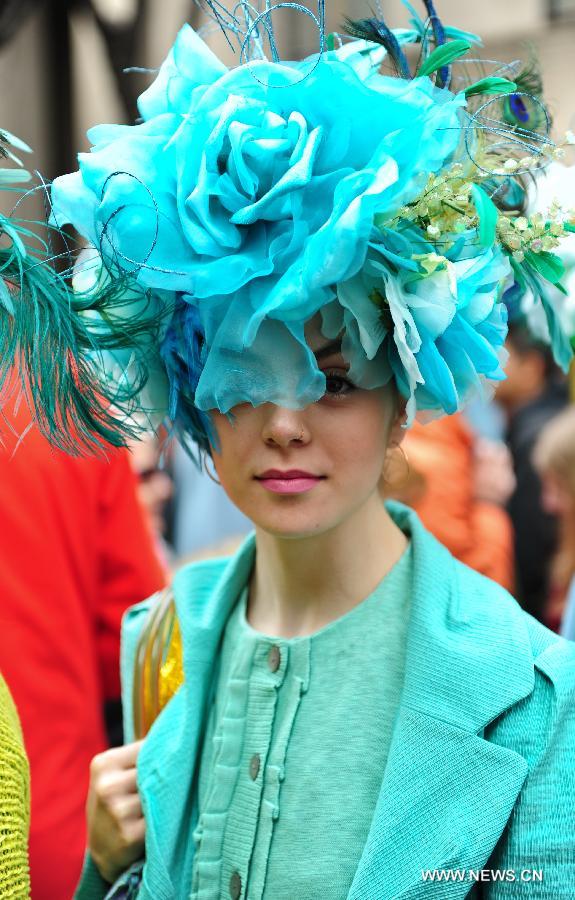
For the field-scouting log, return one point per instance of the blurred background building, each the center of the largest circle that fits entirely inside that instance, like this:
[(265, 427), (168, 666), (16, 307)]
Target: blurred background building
[(62, 61)]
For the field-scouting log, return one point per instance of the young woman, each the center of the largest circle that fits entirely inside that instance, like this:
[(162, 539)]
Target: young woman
[(358, 708), (302, 256)]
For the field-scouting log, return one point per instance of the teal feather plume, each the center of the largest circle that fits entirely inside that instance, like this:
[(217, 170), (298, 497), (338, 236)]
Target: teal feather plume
[(51, 338), (44, 337), (52, 335)]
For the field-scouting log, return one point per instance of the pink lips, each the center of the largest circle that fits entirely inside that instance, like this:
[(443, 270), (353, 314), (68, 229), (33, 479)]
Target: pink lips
[(293, 481)]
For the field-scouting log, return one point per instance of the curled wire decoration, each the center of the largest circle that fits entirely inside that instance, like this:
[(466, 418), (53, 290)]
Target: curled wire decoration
[(459, 81), (530, 142), (107, 247), (251, 25), (266, 19), (104, 234)]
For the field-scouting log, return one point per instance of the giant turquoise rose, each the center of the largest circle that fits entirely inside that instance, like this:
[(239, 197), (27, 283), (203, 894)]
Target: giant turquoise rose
[(256, 183)]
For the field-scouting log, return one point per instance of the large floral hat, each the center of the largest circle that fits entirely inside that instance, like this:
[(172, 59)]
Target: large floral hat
[(374, 184)]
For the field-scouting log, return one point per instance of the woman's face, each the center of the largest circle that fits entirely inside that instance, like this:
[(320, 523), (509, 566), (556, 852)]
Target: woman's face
[(298, 473)]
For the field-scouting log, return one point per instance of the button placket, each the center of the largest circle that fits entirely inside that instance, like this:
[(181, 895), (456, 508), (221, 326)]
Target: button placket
[(264, 686)]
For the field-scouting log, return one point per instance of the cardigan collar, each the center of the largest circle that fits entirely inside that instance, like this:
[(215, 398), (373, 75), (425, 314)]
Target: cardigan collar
[(446, 792)]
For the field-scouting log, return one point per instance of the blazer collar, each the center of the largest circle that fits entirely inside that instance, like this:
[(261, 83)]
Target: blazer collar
[(468, 654), (446, 793)]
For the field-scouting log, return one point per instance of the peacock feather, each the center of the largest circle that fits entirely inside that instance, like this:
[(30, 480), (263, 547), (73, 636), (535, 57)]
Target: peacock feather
[(524, 108), (376, 31)]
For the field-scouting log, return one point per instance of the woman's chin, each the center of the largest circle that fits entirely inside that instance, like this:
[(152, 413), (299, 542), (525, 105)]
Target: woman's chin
[(293, 522)]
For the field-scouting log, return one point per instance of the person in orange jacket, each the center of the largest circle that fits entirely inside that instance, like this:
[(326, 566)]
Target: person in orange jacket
[(458, 484), (76, 552)]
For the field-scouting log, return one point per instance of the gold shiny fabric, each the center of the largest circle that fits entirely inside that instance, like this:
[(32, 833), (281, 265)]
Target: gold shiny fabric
[(158, 669)]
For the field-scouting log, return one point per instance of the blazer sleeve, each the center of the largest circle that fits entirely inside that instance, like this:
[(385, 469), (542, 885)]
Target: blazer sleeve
[(92, 886), (538, 843)]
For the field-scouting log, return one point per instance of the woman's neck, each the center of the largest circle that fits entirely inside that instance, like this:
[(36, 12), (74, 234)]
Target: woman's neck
[(301, 584)]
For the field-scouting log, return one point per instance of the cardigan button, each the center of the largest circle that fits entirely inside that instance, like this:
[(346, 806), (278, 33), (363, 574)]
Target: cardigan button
[(274, 658), (235, 885), (254, 766)]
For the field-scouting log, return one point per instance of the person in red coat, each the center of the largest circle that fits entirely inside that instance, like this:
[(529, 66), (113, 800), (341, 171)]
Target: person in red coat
[(76, 552)]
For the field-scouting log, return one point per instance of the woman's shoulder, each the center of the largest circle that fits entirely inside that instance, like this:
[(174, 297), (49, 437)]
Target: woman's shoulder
[(550, 706), (199, 574), (541, 726), (485, 598), (153, 632), (494, 615)]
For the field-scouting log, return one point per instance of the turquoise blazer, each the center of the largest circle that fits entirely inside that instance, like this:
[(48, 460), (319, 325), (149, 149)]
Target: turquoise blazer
[(481, 769)]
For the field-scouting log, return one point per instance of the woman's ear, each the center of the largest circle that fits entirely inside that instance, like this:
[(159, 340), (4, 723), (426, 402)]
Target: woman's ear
[(397, 431)]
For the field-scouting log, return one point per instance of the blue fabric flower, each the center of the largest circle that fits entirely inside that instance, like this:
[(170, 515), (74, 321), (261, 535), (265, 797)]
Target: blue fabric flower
[(441, 334), (251, 193), (270, 190)]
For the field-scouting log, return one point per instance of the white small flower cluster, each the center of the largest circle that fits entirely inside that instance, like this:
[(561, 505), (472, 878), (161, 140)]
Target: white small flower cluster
[(446, 209)]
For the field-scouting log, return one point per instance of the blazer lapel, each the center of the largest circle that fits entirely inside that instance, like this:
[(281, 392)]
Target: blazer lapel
[(447, 793), (168, 760)]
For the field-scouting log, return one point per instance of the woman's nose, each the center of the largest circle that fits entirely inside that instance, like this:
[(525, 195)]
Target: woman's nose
[(283, 427)]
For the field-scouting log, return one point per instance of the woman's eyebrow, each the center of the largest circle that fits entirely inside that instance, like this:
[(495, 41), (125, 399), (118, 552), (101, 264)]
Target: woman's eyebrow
[(329, 350)]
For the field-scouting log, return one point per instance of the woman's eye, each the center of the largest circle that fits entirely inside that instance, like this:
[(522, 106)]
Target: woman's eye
[(337, 385)]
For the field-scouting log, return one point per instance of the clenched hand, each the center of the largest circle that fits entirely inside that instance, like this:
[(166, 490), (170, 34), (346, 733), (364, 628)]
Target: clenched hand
[(116, 825)]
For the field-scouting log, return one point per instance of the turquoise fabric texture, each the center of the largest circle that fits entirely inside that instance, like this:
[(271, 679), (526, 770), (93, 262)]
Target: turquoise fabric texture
[(481, 767), (315, 732)]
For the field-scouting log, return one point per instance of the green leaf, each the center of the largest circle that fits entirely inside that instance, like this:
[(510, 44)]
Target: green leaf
[(549, 265), (443, 56), (491, 86), (13, 176), (517, 271), (14, 141), (330, 41), (487, 214)]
